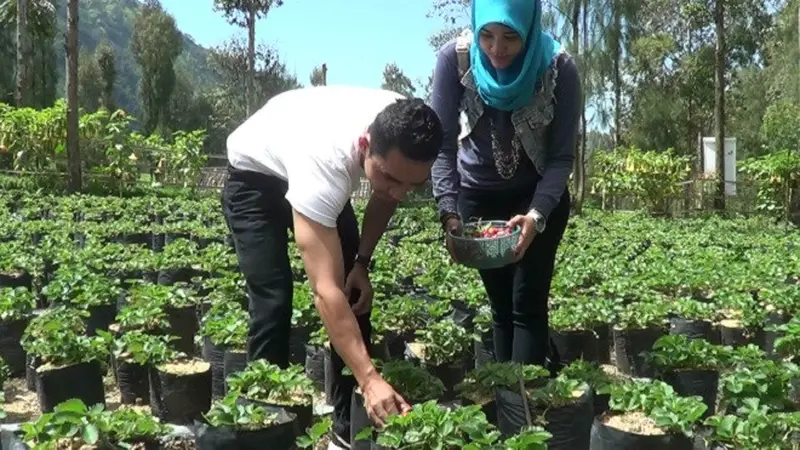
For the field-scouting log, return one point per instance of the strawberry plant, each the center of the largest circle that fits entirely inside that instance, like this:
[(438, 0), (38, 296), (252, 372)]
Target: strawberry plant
[(481, 383), (444, 342), (412, 382), (268, 383), (658, 401), (16, 303), (228, 412), (675, 352)]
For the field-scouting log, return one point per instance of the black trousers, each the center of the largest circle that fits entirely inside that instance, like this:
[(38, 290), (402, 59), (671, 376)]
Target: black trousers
[(519, 292), (259, 217)]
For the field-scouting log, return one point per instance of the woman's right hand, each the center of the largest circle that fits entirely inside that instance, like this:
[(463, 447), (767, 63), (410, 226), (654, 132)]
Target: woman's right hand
[(452, 227)]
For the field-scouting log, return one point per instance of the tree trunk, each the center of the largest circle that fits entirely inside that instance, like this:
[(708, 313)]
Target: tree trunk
[(251, 58), (719, 110), (617, 74), (22, 92), (73, 150), (580, 146)]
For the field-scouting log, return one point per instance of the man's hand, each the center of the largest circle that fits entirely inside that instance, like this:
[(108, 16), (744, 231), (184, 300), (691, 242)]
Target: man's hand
[(358, 278), (381, 400), (528, 225), (452, 226)]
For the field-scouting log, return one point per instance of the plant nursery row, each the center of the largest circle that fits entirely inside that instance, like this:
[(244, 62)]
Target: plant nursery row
[(123, 325)]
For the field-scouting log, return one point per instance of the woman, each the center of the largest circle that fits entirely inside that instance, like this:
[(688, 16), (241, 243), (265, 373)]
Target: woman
[(511, 96)]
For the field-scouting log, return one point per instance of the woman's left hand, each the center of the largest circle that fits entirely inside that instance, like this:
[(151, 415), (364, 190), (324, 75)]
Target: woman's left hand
[(528, 225)]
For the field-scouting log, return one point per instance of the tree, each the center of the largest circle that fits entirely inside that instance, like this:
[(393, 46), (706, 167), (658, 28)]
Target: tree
[(107, 63), (318, 76), (720, 65), (156, 43), (244, 13), (90, 82), (73, 150), (395, 80)]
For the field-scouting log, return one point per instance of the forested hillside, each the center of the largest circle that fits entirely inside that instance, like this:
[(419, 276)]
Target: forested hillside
[(113, 20)]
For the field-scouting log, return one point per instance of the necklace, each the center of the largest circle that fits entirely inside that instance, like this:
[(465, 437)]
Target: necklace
[(506, 162)]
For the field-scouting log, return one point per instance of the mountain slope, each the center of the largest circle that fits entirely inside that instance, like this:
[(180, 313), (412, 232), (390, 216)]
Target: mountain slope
[(113, 20)]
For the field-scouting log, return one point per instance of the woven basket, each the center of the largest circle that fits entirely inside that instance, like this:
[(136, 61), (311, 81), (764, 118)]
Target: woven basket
[(485, 253)]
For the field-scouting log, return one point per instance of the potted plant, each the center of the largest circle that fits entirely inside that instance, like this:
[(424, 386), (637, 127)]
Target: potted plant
[(565, 404), (690, 366), (133, 428), (599, 380), (431, 426), (754, 427), (71, 424), (16, 310), (480, 386), (647, 415), (180, 386), (484, 344), (637, 328), (742, 321), (442, 349), (223, 326), (305, 320), (769, 382), (232, 423), (412, 382), (131, 357), (288, 388), (695, 320), (179, 303), (400, 317), (572, 333), (69, 362)]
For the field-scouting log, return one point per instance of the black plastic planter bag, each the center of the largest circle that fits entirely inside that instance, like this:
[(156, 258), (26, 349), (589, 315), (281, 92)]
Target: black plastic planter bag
[(298, 338), (574, 345), (694, 329), (279, 436), (133, 382), (395, 344), (770, 337), (83, 381), (602, 336), (215, 355), (604, 437), (183, 324), (31, 363), (15, 280), (688, 383), (489, 409), (629, 346), (235, 361), (600, 403), (315, 365), (10, 348), (168, 277), (303, 415), (484, 350), (179, 399), (100, 317), (358, 421), (739, 337), (462, 314), (450, 374), (569, 425), (327, 367)]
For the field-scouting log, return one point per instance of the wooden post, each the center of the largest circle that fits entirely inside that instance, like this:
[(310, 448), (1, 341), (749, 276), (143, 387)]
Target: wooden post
[(324, 74)]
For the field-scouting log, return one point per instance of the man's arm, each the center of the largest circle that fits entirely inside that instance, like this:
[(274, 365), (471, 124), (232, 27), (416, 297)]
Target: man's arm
[(321, 250), (376, 218)]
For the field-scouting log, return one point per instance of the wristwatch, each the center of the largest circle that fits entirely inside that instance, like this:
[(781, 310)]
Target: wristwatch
[(538, 220), (363, 260)]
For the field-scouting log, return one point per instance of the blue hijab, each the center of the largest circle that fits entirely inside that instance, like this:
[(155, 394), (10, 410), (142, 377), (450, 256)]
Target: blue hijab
[(513, 87)]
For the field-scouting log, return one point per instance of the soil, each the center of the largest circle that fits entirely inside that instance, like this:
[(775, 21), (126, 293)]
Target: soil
[(417, 349), (635, 423), (22, 405), (729, 323), (190, 367)]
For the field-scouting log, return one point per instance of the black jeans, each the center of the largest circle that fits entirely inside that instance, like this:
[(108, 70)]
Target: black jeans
[(519, 292), (259, 217)]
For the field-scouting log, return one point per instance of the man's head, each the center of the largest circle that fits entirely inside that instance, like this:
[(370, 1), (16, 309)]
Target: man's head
[(404, 141)]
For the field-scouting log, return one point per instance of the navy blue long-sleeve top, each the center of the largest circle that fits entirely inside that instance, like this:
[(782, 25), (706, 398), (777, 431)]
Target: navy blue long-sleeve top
[(473, 166)]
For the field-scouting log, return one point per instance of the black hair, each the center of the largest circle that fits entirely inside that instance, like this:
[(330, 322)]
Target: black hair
[(411, 127)]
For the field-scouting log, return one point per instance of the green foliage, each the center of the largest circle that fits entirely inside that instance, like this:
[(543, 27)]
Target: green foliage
[(650, 176), (267, 383), (156, 44), (659, 401), (395, 80)]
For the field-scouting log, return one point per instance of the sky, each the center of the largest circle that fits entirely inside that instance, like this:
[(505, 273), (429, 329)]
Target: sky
[(355, 38)]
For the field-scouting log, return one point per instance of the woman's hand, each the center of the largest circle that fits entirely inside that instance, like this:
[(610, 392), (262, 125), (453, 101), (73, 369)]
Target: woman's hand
[(528, 225), (452, 226)]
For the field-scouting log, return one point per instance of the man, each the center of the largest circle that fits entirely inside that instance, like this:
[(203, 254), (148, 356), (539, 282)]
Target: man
[(295, 164)]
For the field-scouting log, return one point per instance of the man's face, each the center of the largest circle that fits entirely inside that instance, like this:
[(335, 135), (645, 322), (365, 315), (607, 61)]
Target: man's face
[(394, 175)]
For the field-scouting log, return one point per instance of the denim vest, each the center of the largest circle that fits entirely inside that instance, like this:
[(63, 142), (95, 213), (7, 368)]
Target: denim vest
[(530, 122)]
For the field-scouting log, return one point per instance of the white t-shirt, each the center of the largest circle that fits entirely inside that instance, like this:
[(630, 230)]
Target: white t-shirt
[(307, 137)]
